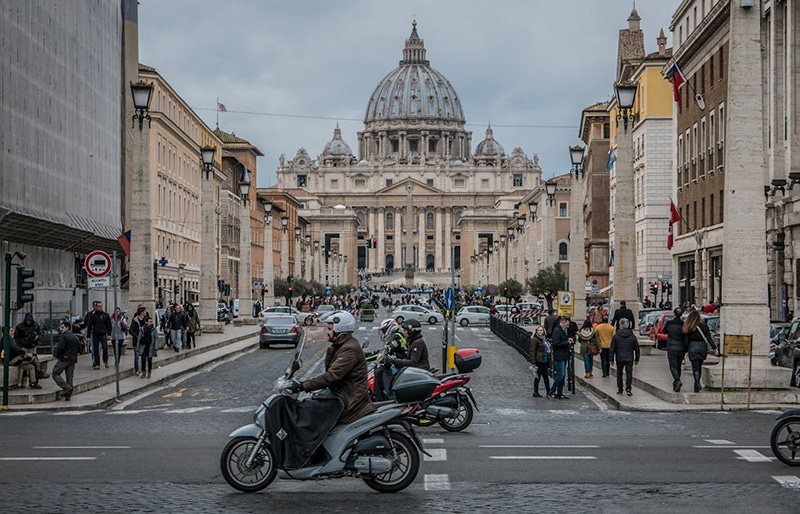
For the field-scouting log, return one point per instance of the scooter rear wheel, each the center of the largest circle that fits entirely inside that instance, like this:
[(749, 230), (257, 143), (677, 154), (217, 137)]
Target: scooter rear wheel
[(461, 420), (234, 465), (785, 441), (405, 469)]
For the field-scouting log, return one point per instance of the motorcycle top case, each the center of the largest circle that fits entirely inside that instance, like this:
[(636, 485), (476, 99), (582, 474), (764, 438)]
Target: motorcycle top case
[(468, 359), (413, 385)]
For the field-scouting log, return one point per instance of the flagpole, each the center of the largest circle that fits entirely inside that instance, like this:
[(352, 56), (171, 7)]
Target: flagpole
[(217, 112)]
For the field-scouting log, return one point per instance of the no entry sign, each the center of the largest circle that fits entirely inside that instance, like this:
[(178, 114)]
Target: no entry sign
[(97, 264)]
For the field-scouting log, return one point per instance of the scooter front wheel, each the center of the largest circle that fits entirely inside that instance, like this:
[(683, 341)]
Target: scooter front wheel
[(234, 465), (404, 470), (461, 420), (786, 441)]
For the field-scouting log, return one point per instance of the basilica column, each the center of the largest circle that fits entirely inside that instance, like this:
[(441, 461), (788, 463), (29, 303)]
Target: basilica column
[(398, 239), (371, 252), (438, 240), (448, 234), (421, 240), (381, 251), (284, 252)]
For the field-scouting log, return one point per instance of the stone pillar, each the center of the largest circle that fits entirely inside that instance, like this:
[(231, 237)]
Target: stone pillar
[(381, 251), (284, 252), (298, 257), (142, 290), (438, 240), (269, 270), (398, 237), (549, 240), (448, 242), (208, 264), (577, 261), (624, 273), (371, 229), (421, 240), (245, 273)]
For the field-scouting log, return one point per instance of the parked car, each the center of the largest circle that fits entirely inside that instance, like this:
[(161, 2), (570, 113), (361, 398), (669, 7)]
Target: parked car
[(324, 309), (473, 315), (647, 310), (646, 322), (503, 312), (404, 312), (787, 352), (280, 330), (657, 331), (301, 317)]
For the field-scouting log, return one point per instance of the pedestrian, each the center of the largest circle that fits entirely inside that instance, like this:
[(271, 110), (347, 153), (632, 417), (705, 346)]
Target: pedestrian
[(66, 354), (605, 332), (147, 346), (98, 327), (550, 322), (119, 331), (538, 356), (676, 347), (26, 361), (590, 346), (698, 339), (27, 335), (192, 326), (176, 326), (623, 312), (137, 324), (625, 352), (561, 346)]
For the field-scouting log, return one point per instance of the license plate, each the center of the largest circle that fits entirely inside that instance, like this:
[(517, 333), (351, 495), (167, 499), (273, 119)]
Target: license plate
[(279, 331), (483, 320)]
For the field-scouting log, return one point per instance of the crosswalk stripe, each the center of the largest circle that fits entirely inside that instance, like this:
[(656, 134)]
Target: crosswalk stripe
[(188, 410), (719, 441), (751, 456), (437, 483), (238, 409), (362, 328), (433, 441), (788, 481), (436, 455), (542, 457)]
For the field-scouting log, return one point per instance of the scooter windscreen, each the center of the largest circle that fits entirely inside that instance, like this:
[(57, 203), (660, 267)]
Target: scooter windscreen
[(297, 358)]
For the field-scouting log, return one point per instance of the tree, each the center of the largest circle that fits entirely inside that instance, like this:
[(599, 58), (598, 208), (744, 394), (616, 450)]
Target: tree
[(470, 290), (342, 290), (514, 288), (280, 288), (548, 282)]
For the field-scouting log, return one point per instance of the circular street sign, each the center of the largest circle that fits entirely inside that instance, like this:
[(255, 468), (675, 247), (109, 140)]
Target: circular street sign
[(97, 264)]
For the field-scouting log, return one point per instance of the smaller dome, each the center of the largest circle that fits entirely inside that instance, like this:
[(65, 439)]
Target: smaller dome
[(458, 162), (489, 147), (337, 146), (363, 162)]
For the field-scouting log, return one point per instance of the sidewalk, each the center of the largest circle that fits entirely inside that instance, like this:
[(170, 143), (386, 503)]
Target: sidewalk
[(95, 389)]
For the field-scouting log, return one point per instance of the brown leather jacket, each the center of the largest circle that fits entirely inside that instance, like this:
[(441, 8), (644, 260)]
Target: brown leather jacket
[(346, 376)]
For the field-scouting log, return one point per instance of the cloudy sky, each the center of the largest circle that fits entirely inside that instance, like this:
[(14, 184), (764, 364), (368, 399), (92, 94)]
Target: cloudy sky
[(512, 62)]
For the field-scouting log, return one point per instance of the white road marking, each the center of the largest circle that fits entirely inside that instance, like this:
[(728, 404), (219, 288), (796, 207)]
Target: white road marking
[(510, 412), (74, 412), (437, 454), (788, 481), (362, 328), (133, 411), (81, 447), (46, 458), (564, 412), (561, 446), (187, 410), (596, 400), (239, 409), (751, 456), (433, 441), (20, 413), (313, 369), (437, 483), (542, 457), (719, 441), (706, 447)]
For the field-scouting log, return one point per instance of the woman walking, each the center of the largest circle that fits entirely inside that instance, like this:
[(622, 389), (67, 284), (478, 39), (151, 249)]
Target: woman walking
[(698, 339), (193, 323), (147, 347), (590, 346), (538, 356), (119, 331)]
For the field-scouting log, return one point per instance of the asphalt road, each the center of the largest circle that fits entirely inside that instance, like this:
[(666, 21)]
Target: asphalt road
[(160, 453)]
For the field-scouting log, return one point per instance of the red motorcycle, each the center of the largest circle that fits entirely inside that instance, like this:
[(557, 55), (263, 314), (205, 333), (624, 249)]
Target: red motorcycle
[(451, 404)]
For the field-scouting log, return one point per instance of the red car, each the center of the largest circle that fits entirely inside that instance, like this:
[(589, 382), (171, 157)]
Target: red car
[(657, 332)]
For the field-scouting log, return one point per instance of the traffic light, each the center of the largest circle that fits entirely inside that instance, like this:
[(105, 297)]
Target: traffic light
[(374, 243), (23, 284), (505, 291), (369, 243), (290, 291), (176, 289), (654, 288)]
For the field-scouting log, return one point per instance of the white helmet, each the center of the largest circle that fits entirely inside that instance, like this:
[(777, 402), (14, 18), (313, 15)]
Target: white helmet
[(388, 328), (343, 323)]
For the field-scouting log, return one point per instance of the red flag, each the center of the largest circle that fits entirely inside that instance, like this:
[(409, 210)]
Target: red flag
[(674, 217), (125, 243), (678, 78), (221, 107)]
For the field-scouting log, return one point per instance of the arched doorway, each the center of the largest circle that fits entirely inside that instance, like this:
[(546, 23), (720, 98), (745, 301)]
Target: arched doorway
[(390, 262), (429, 262)]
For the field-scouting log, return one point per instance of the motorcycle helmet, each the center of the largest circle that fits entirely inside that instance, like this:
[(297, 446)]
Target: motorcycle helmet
[(413, 326), (387, 329), (343, 323)]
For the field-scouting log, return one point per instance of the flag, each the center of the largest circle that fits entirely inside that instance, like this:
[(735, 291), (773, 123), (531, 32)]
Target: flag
[(674, 217), (678, 78), (612, 158), (125, 243), (221, 107)]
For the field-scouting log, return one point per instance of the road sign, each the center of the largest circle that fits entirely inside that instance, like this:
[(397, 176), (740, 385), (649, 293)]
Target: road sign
[(95, 282), (738, 345), (97, 264), (328, 291), (566, 303), (449, 298)]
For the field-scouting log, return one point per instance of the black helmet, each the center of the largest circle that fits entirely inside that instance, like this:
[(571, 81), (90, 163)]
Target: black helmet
[(413, 326)]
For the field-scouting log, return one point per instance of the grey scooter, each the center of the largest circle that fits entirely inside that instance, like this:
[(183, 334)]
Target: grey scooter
[(381, 448)]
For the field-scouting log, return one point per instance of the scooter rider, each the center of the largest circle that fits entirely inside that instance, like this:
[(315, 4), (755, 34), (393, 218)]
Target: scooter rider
[(345, 370), (416, 350), (394, 344)]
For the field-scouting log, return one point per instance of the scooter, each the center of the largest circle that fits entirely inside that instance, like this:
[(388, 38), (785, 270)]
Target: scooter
[(300, 439), (785, 440)]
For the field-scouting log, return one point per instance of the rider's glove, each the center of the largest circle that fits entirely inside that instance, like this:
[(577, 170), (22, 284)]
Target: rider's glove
[(390, 359), (295, 386)]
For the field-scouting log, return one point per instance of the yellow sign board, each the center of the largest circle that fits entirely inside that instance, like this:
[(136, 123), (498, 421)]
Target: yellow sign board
[(738, 345), (451, 356), (566, 303)]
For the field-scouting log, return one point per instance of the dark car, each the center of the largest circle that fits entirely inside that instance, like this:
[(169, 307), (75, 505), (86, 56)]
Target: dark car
[(280, 330), (787, 352)]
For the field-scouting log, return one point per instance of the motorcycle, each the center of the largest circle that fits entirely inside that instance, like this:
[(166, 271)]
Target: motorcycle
[(785, 440), (451, 404), (300, 439)]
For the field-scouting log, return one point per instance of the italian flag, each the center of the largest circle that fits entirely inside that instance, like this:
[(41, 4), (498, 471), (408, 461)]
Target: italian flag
[(674, 217)]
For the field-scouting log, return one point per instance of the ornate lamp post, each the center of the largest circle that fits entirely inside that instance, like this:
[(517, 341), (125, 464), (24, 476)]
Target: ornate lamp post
[(208, 266), (245, 262), (550, 228)]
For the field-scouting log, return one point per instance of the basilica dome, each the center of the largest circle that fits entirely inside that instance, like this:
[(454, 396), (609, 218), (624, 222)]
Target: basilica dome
[(337, 146), (414, 90), (489, 147)]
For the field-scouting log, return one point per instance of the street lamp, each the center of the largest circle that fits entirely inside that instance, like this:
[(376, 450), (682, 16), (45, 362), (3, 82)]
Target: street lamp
[(244, 189), (141, 92), (626, 95), (521, 222), (576, 154), (503, 239), (496, 245), (267, 212), (550, 188), (207, 155), (297, 232), (532, 207), (284, 222)]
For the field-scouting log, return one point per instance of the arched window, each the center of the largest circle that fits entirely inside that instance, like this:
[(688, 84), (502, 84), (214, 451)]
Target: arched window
[(563, 252), (429, 221), (429, 262), (360, 217), (389, 221)]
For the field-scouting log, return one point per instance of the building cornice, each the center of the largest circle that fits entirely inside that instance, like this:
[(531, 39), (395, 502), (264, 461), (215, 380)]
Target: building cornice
[(713, 21)]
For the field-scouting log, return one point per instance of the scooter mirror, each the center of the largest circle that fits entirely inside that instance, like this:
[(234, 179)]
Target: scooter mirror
[(365, 345)]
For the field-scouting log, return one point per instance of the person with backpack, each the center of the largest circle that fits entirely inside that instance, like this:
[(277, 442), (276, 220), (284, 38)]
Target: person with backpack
[(539, 356), (590, 346)]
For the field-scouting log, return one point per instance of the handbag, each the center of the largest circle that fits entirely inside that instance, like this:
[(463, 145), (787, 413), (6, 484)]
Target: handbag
[(594, 348)]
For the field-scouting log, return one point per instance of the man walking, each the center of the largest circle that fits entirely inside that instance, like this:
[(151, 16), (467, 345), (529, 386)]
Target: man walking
[(66, 352), (625, 349), (177, 326), (623, 312), (676, 348), (98, 327), (605, 332), (561, 350)]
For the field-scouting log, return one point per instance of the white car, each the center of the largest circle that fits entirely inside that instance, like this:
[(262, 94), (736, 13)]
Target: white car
[(473, 315), (404, 312), (271, 312), (325, 309)]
